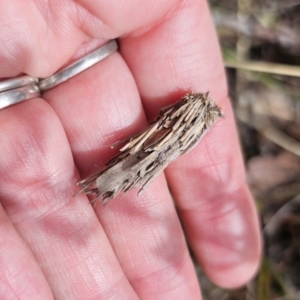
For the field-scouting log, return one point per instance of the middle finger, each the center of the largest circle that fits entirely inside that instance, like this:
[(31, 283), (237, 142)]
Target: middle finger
[(97, 108)]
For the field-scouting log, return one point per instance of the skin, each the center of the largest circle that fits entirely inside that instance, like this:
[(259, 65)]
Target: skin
[(56, 246)]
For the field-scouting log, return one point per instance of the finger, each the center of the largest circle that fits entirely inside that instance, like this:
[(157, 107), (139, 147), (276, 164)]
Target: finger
[(98, 108), (21, 276), (41, 36), (179, 56), (37, 183)]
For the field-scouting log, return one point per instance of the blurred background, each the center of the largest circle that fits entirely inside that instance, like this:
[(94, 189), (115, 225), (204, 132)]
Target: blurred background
[(260, 41)]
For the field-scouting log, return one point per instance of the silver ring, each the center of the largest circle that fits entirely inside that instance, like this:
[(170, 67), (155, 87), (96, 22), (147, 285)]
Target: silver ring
[(78, 66), (17, 82), (13, 96)]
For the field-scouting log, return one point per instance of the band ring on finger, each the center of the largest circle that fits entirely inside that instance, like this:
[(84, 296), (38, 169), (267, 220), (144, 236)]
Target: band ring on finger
[(17, 90), (78, 66), (21, 88)]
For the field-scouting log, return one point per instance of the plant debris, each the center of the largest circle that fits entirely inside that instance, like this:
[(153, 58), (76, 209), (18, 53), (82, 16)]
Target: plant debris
[(174, 132)]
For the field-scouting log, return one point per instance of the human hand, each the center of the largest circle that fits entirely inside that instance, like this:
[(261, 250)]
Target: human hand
[(57, 246)]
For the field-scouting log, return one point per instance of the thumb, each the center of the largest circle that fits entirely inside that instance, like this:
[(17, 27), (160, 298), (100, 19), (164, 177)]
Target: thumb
[(41, 36)]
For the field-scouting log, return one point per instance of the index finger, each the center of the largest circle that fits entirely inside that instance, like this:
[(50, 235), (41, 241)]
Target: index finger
[(178, 56)]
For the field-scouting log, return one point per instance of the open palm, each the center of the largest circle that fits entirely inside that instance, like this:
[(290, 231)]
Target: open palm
[(57, 246)]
